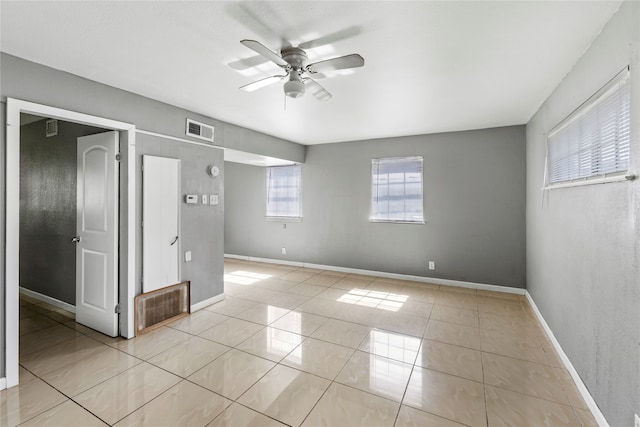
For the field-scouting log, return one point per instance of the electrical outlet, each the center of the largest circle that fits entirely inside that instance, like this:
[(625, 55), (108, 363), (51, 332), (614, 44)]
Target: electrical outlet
[(432, 265), (205, 199), (284, 251), (637, 418)]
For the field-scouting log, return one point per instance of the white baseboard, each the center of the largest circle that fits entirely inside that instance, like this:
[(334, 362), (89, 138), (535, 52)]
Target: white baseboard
[(265, 260), (206, 303), (419, 279), (3, 383), (48, 299), (597, 414)]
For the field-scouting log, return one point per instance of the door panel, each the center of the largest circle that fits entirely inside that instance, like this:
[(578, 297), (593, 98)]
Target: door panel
[(95, 212), (95, 275), (160, 211), (97, 218)]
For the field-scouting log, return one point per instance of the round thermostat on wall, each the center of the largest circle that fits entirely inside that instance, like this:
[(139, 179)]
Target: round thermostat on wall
[(213, 171)]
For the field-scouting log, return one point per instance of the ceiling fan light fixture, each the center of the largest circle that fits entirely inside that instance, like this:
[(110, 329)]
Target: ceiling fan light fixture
[(294, 88), (293, 61)]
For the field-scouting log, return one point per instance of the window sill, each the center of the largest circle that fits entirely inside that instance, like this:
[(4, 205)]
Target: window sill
[(591, 181), (387, 221), (283, 218)]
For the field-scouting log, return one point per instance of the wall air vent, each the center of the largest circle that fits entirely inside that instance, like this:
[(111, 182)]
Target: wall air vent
[(161, 306), (51, 127), (199, 130)]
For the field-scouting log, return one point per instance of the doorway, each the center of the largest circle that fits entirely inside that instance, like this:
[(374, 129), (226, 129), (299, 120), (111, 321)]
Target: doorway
[(69, 219), (13, 215)]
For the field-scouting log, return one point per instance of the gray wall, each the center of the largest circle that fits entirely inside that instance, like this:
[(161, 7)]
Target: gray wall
[(48, 173), (200, 226), (474, 206), (583, 242), (33, 82)]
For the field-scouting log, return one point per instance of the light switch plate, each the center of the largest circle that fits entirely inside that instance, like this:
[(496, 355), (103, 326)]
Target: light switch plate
[(187, 256), (205, 199), (213, 199)]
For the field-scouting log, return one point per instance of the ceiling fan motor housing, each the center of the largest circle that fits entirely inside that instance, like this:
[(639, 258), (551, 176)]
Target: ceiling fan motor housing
[(295, 57)]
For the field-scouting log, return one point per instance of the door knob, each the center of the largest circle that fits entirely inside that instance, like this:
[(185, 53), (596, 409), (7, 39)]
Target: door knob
[(75, 239)]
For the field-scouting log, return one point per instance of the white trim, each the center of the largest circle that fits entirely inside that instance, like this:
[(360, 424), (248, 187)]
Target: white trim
[(265, 260), (48, 299), (420, 279), (173, 138), (595, 411), (623, 176), (206, 303), (12, 237), (283, 218), (66, 115), (12, 242), (395, 221), (127, 329), (3, 383)]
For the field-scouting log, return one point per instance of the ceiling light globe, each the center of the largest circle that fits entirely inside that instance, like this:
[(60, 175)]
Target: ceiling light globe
[(294, 89)]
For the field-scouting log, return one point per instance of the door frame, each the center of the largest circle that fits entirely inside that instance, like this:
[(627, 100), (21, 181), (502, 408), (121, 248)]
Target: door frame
[(12, 233)]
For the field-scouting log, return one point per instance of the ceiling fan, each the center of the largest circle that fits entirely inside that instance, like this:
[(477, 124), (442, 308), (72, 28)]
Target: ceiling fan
[(293, 61)]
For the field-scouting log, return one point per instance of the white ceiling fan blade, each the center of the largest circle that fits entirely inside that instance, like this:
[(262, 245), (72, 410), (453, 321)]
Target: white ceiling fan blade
[(265, 51), (340, 63), (259, 84), (320, 93), (331, 38)]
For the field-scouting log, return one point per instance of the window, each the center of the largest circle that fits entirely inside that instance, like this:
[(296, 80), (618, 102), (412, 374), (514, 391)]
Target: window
[(283, 192), (396, 189), (594, 140)]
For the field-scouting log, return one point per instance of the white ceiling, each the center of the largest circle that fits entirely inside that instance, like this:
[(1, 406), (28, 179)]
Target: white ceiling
[(429, 66)]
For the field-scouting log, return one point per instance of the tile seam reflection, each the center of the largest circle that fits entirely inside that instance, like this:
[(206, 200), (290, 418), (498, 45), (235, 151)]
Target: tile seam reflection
[(529, 395), (432, 413), (237, 400)]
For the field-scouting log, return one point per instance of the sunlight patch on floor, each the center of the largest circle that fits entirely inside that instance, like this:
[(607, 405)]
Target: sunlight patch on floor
[(376, 299), (245, 277)]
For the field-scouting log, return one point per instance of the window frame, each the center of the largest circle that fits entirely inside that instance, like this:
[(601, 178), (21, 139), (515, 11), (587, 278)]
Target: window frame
[(621, 81), (288, 218), (372, 198)]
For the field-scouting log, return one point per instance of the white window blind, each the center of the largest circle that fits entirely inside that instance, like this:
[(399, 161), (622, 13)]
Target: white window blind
[(594, 141), (283, 192), (396, 189)]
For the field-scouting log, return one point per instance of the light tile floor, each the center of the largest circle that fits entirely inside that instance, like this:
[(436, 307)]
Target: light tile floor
[(296, 346)]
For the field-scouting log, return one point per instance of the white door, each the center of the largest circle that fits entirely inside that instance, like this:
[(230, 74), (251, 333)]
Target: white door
[(97, 233), (160, 222)]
